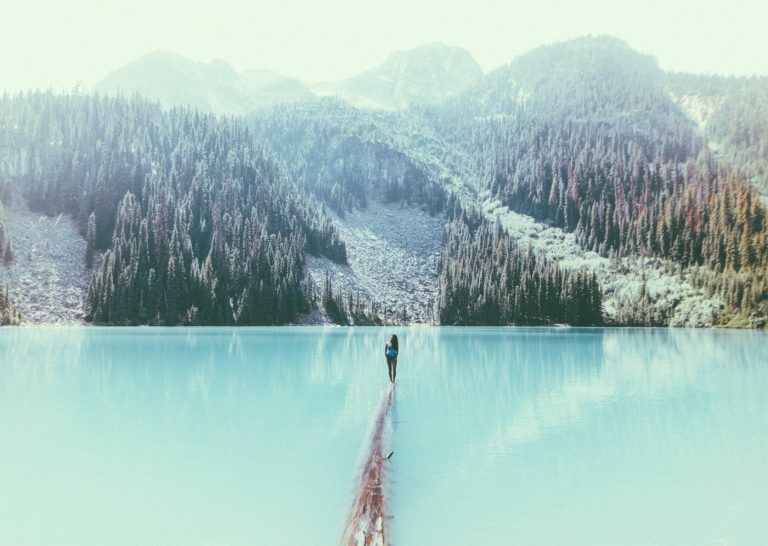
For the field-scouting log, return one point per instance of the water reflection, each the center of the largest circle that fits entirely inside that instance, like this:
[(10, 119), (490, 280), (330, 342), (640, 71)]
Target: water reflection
[(595, 436), (255, 436), (203, 436)]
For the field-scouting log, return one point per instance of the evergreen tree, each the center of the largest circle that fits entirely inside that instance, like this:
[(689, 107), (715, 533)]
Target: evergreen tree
[(8, 252), (90, 239), (9, 315), (486, 279)]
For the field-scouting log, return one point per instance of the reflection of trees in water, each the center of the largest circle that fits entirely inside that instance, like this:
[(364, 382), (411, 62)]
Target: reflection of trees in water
[(509, 389), (514, 384), (40, 354), (506, 386), (227, 374), (477, 362), (198, 375), (683, 349), (201, 373)]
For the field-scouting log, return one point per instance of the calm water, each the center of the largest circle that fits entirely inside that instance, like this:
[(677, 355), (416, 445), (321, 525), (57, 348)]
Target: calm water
[(501, 436)]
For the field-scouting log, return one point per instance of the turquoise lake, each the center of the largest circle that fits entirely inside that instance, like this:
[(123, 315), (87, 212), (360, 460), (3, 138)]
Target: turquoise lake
[(215, 436)]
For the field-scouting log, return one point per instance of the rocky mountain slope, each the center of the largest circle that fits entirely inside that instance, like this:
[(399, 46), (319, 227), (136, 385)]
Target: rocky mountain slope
[(47, 275), (579, 175)]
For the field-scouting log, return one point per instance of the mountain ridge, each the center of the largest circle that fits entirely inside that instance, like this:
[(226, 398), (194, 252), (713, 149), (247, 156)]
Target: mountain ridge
[(423, 75), (213, 86), (579, 184), (419, 76)]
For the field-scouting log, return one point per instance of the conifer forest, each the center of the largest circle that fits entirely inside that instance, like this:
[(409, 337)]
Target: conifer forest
[(195, 217)]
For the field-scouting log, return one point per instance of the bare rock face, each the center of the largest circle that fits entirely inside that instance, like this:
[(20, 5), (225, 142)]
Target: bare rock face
[(393, 254)]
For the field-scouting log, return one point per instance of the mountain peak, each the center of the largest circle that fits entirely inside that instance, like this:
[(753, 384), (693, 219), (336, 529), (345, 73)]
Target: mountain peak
[(553, 75), (588, 50), (425, 74), (213, 86), (160, 55), (432, 51)]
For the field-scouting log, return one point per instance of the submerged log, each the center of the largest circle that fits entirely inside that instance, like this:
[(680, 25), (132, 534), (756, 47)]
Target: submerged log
[(366, 523)]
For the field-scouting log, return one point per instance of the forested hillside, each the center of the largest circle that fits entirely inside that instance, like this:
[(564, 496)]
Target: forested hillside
[(578, 184), (347, 157), (732, 114), (487, 279), (196, 222), (597, 147)]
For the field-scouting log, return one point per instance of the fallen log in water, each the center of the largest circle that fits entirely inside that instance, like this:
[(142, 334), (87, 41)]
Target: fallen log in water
[(367, 521)]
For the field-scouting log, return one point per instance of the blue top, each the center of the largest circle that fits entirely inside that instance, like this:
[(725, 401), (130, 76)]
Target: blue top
[(390, 351)]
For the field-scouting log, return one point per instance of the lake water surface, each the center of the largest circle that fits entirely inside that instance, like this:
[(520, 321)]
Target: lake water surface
[(500, 436)]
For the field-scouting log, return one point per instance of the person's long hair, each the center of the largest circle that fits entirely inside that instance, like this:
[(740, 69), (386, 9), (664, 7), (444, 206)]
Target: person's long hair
[(393, 342)]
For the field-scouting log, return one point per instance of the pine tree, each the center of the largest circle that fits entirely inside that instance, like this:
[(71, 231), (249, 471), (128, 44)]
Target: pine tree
[(90, 239), (8, 252)]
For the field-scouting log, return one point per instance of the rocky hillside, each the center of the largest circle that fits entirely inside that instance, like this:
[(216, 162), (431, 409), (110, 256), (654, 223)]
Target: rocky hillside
[(579, 184), (47, 273)]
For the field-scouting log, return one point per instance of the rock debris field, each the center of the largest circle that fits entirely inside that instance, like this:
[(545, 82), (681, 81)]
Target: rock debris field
[(393, 253), (47, 278)]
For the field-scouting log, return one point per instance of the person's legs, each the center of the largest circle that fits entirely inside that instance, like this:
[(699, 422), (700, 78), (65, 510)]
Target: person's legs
[(394, 369), (389, 368)]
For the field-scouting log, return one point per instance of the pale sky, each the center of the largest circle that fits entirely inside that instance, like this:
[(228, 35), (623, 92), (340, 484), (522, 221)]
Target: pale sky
[(47, 43)]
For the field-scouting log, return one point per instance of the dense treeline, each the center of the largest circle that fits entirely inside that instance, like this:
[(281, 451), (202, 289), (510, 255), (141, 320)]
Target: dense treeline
[(485, 278), (198, 224), (618, 202), (347, 157), (345, 310)]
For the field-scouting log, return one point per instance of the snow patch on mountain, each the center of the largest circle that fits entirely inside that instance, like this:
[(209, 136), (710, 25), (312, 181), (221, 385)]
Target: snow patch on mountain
[(393, 253), (47, 278)]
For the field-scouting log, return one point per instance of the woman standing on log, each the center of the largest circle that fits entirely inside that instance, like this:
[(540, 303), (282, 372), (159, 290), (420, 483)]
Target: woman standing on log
[(391, 351)]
